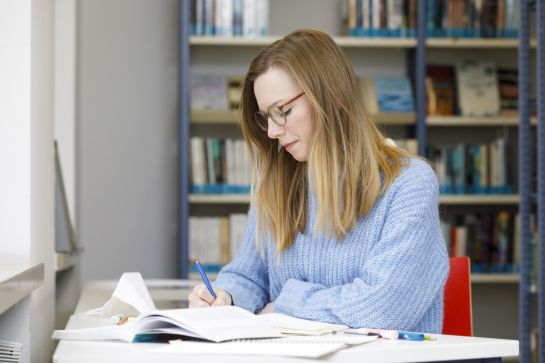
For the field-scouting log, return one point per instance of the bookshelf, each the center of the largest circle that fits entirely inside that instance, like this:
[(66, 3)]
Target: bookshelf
[(443, 199), (231, 117), (416, 53), (461, 43), (345, 42), (460, 121)]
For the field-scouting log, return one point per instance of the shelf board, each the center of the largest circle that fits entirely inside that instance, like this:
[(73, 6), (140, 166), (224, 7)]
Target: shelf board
[(465, 121), (495, 278), (17, 281), (215, 117), (394, 118), (474, 43), (219, 198), (232, 117), (363, 42), (485, 199), (345, 42)]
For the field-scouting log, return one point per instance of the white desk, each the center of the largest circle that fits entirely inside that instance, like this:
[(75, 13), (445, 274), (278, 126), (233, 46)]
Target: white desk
[(445, 348)]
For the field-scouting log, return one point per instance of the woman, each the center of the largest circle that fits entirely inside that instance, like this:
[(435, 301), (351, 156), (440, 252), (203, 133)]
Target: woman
[(343, 226)]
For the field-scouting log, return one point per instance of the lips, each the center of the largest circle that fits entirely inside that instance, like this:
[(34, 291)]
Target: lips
[(289, 145)]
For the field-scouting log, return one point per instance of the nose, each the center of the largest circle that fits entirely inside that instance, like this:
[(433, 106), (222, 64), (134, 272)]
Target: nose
[(274, 130)]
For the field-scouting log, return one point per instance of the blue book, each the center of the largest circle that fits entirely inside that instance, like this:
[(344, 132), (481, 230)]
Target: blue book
[(394, 94)]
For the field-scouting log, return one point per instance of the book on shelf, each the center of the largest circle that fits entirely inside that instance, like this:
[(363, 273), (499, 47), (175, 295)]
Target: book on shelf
[(214, 241), (509, 91), (473, 169), (230, 18), (208, 92), (477, 88), (488, 238), (380, 18), (234, 92), (472, 18), (387, 94), (440, 90), (219, 166)]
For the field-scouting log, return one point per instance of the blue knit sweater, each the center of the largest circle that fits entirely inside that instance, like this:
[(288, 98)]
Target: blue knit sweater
[(388, 272)]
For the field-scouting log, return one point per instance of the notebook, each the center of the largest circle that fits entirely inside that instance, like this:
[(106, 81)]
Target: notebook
[(302, 347)]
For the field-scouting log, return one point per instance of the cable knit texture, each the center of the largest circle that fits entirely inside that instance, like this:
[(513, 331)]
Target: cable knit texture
[(388, 272)]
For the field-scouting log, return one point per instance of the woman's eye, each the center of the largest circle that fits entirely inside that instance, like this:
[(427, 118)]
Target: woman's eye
[(287, 112)]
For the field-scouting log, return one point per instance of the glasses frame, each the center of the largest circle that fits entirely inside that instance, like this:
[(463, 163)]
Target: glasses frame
[(268, 116)]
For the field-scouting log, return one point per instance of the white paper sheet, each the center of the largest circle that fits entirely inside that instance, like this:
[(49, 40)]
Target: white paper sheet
[(291, 325), (301, 346)]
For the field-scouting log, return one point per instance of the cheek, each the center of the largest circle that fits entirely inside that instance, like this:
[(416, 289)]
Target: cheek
[(303, 125)]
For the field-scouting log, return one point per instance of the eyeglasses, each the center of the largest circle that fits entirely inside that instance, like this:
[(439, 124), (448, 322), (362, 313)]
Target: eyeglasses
[(275, 113)]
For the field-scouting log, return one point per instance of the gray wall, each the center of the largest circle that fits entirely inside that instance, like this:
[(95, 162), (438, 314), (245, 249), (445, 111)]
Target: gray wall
[(127, 137)]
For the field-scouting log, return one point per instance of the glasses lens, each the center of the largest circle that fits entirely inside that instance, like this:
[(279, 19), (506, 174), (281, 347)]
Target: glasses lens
[(277, 115), (262, 120)]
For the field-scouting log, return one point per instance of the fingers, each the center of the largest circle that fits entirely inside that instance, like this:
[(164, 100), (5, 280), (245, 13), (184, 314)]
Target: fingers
[(200, 297), (223, 298), (267, 309)]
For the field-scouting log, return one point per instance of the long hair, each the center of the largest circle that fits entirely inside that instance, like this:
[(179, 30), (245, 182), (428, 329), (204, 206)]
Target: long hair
[(348, 154)]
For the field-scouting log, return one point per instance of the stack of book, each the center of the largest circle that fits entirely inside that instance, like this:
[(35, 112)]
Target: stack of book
[(10, 351), (473, 169), (490, 239), (214, 241), (219, 166), (227, 18), (380, 18), (472, 18)]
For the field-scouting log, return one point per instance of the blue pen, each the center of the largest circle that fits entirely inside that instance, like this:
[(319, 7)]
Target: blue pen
[(205, 279), (405, 335)]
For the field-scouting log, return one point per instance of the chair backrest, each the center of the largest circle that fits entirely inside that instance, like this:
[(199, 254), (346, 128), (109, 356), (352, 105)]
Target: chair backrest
[(457, 317)]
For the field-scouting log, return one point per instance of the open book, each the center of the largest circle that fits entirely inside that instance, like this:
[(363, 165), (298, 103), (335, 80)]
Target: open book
[(214, 324), (218, 324)]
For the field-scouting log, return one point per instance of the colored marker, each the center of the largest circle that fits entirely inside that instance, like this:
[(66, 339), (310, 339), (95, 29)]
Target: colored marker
[(405, 335)]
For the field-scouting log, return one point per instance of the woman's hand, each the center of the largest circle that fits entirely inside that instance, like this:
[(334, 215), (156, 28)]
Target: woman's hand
[(267, 309), (200, 297)]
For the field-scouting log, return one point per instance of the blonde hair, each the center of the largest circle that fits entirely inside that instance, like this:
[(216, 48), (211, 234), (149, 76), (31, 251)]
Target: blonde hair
[(347, 155)]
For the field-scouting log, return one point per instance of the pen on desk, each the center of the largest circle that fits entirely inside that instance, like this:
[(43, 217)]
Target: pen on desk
[(390, 334), (205, 279), (386, 334)]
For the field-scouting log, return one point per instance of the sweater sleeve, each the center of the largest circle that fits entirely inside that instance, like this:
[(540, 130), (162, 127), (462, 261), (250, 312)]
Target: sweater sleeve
[(400, 279), (246, 277)]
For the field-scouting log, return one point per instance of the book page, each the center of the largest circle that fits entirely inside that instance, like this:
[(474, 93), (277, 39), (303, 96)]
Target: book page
[(291, 325), (296, 346), (217, 324)]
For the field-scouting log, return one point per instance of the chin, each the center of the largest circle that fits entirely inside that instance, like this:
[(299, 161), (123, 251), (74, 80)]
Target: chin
[(299, 158)]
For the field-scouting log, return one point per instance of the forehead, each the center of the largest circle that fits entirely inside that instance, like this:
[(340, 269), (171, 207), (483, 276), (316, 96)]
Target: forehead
[(274, 85)]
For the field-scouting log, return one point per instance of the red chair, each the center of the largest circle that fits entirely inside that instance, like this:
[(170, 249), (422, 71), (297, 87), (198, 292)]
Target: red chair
[(457, 317)]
